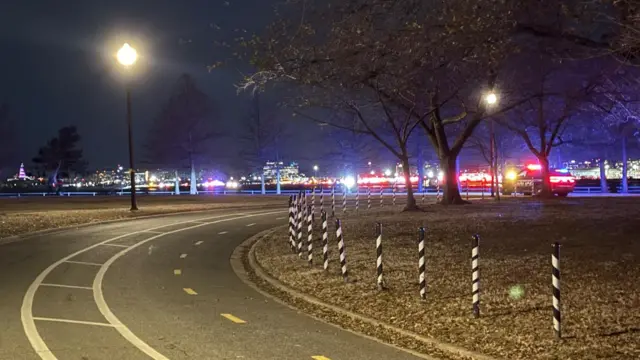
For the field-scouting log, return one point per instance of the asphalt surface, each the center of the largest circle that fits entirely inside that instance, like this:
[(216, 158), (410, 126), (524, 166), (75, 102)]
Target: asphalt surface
[(160, 288)]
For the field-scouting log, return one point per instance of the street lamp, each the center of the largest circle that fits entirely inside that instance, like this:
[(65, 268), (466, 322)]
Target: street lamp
[(491, 98), (127, 56), (315, 171)]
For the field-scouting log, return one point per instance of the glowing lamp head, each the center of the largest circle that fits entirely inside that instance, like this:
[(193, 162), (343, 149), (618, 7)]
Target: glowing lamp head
[(387, 172), (491, 98), (315, 167), (127, 55), (511, 175)]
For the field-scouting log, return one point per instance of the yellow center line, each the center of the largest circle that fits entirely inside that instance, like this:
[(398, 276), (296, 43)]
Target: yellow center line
[(190, 291), (177, 272), (320, 357), (233, 318)]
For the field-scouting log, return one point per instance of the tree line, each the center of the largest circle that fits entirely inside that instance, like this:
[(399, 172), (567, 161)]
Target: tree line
[(391, 69)]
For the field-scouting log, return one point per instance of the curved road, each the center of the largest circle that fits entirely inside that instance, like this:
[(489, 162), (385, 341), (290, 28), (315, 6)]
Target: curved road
[(160, 288)]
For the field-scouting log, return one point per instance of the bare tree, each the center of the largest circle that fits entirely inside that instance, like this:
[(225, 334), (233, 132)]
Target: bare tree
[(263, 134), (7, 136), (183, 129), (495, 144), (394, 66), (542, 122), (617, 117)]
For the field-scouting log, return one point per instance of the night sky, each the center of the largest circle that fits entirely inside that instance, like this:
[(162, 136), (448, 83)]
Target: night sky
[(57, 68)]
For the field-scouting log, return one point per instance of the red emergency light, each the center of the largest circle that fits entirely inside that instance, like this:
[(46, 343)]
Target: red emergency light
[(534, 167)]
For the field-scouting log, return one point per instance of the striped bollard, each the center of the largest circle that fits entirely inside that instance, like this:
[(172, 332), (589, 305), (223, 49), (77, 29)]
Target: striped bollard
[(379, 279), (394, 194), (344, 201), (321, 201), (423, 192), (555, 282), (357, 200), (422, 266), (438, 191), (325, 242), (475, 275), (310, 235), (333, 202), (381, 198), (343, 257), (368, 199), (294, 225), (313, 200), (290, 218), (299, 231)]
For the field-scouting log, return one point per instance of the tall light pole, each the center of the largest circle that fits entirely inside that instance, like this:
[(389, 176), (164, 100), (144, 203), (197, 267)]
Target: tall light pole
[(315, 171), (127, 56), (491, 98)]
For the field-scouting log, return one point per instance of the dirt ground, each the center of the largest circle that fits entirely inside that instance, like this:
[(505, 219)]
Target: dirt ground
[(28, 214), (600, 268)]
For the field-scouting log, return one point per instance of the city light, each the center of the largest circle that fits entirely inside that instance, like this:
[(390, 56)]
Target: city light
[(387, 172), (127, 55), (511, 175), (372, 172), (315, 168), (430, 174)]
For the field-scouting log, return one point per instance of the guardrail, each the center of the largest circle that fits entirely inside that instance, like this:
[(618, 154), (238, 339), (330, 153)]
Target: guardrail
[(428, 191)]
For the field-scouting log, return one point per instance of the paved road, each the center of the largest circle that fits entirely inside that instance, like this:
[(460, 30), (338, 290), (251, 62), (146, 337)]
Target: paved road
[(158, 288)]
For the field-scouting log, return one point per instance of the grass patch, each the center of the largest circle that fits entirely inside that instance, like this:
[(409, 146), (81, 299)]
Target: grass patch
[(28, 214), (599, 261)]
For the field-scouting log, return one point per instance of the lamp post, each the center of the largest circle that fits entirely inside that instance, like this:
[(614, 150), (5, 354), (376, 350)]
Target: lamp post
[(315, 171), (127, 56), (491, 98)]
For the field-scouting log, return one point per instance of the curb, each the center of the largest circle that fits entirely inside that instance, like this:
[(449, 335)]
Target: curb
[(31, 234), (247, 251)]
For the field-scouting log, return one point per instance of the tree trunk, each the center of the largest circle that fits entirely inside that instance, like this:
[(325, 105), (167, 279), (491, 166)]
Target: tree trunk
[(263, 189), (451, 192), (193, 188), (278, 179), (625, 182), (496, 172), (177, 184), (420, 171), (411, 200), (603, 178), (546, 191)]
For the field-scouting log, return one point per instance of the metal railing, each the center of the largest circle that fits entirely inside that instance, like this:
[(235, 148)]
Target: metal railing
[(361, 191)]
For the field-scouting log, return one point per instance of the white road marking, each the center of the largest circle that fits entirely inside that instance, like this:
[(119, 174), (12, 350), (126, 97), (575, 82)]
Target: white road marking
[(249, 225), (26, 310), (198, 243), (153, 232), (118, 245), (82, 263), (222, 232), (182, 256), (69, 321), (98, 296), (67, 286), (281, 218)]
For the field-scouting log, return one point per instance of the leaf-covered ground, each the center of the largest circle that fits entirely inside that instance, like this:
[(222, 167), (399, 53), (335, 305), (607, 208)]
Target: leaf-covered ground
[(600, 263), (28, 214)]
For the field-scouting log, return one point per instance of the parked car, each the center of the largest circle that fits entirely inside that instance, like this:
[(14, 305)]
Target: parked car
[(529, 181)]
